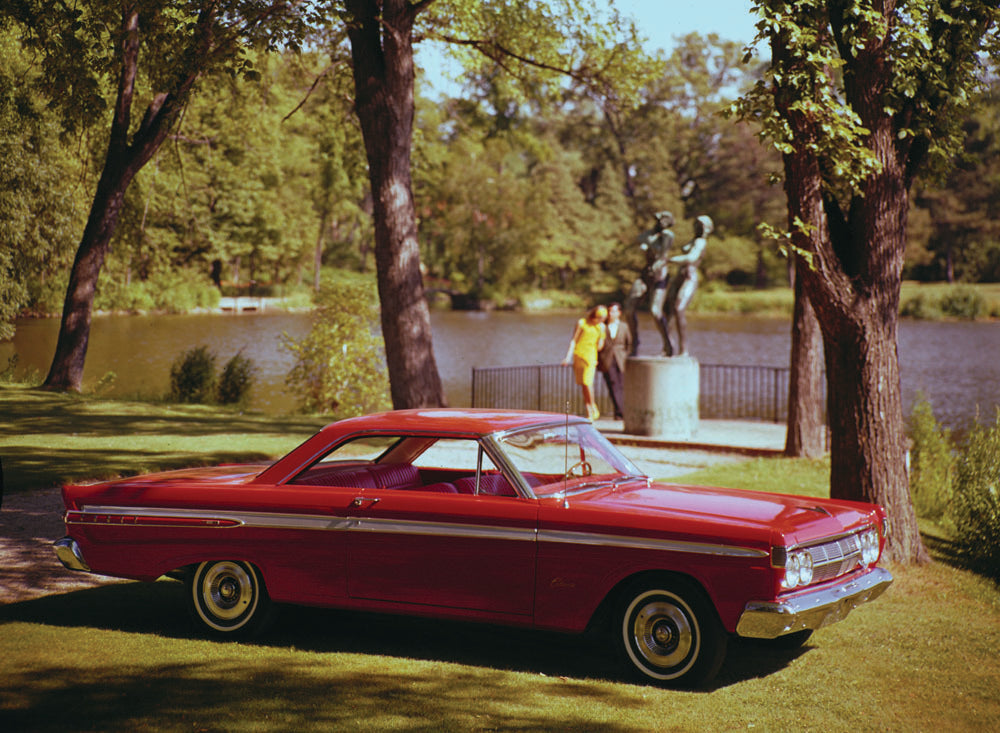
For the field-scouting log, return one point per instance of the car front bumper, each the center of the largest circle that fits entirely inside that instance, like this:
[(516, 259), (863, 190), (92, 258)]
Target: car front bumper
[(813, 609)]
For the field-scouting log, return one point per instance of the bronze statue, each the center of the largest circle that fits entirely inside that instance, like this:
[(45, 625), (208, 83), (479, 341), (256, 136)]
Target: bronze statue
[(685, 280), (655, 243)]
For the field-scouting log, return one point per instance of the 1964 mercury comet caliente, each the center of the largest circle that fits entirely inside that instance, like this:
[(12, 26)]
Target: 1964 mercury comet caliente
[(518, 518)]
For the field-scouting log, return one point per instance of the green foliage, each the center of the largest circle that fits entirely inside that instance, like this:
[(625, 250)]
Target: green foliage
[(38, 201), (525, 223), (931, 461), (7, 372), (956, 301), (960, 489), (976, 499), (193, 379), (192, 376), (963, 302), (922, 306), (178, 291), (956, 228), (236, 381), (340, 364)]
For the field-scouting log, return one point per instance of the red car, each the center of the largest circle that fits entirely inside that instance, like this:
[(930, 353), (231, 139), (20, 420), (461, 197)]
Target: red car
[(517, 518)]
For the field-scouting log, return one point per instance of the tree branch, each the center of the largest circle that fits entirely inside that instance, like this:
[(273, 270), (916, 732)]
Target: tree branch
[(496, 52)]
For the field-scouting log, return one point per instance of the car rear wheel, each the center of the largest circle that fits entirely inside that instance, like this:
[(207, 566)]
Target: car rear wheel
[(228, 597), (669, 632)]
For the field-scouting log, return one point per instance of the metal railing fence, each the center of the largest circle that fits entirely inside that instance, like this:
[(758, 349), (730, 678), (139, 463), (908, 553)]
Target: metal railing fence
[(727, 391)]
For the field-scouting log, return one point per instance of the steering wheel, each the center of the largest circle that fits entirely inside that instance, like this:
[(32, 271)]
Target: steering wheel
[(585, 470)]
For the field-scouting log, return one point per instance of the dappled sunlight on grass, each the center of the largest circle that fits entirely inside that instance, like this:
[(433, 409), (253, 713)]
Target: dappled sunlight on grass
[(923, 657), (47, 438), (124, 656)]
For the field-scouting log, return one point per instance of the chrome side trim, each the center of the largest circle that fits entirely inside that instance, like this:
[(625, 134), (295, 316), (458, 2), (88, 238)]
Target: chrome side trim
[(813, 609), (69, 554), (648, 543), (266, 520), (444, 529)]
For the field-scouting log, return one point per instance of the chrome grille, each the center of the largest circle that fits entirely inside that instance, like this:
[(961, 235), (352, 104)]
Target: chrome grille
[(836, 557)]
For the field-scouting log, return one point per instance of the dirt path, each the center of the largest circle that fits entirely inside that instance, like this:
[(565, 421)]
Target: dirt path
[(29, 524)]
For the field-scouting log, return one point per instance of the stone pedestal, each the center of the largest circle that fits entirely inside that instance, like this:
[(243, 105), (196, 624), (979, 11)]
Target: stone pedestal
[(661, 396)]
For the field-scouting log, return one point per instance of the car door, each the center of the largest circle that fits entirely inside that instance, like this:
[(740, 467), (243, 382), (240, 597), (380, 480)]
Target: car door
[(448, 550)]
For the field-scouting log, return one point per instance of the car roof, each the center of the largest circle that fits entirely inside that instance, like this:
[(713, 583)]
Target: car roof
[(463, 420)]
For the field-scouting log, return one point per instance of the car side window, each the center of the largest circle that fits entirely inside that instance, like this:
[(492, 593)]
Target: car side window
[(454, 454), (368, 448), (465, 466)]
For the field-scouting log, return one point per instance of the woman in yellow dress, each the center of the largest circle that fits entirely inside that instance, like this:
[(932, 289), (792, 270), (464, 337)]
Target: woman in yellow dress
[(588, 339)]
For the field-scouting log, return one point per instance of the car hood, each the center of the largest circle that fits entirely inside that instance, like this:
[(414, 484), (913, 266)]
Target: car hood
[(780, 519)]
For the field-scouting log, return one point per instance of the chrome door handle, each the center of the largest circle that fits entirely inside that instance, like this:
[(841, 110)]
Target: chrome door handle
[(359, 500)]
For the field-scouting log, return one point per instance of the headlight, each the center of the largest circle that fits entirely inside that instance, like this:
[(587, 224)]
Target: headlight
[(798, 569), (869, 547), (792, 571), (806, 569)]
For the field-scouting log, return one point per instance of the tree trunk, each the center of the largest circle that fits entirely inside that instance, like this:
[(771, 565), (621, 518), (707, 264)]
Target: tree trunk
[(382, 53), (853, 279), (806, 426), (867, 430), (66, 371), (121, 164), (318, 251)]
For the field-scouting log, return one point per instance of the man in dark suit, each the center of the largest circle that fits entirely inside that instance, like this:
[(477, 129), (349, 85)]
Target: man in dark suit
[(611, 359)]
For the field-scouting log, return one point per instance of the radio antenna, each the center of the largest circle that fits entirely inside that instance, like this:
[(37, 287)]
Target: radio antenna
[(566, 447)]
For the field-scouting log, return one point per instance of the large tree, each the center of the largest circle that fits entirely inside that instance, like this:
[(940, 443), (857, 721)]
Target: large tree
[(117, 55), (860, 96), (535, 40), (381, 36)]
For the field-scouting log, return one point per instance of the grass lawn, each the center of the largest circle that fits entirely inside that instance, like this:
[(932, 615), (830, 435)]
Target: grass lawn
[(47, 439), (778, 301), (923, 657)]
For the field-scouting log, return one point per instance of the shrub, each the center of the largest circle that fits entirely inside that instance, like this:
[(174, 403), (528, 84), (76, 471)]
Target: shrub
[(976, 504), (180, 291), (920, 306), (340, 365), (963, 302), (958, 301), (192, 376), (236, 381), (930, 461)]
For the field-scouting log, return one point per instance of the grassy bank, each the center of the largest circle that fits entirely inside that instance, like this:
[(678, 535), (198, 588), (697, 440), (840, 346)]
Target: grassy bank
[(124, 657), (47, 439), (924, 301)]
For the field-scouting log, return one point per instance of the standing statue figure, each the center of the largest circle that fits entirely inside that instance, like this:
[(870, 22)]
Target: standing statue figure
[(655, 243), (685, 280)]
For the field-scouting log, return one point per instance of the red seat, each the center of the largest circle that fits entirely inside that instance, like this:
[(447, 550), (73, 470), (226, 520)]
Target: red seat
[(357, 478), (395, 475), (490, 484), (440, 488)]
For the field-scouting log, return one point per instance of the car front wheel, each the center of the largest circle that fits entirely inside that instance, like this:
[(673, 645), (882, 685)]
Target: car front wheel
[(669, 632), (228, 597)]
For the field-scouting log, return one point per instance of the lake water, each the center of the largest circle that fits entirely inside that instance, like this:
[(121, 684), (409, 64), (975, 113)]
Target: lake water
[(956, 364)]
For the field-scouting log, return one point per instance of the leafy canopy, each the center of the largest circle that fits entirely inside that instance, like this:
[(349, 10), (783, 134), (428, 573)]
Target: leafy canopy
[(934, 52)]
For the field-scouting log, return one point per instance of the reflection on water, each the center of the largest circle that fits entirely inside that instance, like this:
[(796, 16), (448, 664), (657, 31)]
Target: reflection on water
[(956, 364)]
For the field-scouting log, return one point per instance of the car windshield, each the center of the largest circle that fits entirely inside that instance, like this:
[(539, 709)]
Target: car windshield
[(557, 458)]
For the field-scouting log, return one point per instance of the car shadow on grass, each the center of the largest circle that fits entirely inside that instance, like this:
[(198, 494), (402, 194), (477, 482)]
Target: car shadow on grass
[(158, 608)]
